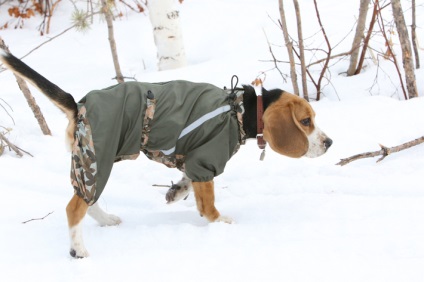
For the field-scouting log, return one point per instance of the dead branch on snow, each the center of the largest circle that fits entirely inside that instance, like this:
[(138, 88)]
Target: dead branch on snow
[(4, 142), (41, 218), (384, 152)]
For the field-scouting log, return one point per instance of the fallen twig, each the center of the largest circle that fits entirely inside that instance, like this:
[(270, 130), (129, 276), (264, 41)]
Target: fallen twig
[(161, 185), (384, 152), (41, 218), (12, 146)]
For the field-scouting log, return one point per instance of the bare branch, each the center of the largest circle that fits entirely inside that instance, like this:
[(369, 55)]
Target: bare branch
[(331, 57), (389, 47), (109, 20), (162, 185), (12, 146), (384, 152), (367, 39), (414, 36), (301, 50), (289, 46), (52, 38), (274, 58), (324, 69), (41, 218)]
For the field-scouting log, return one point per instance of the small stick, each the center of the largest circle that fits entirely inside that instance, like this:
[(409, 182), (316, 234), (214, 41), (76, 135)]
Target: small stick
[(161, 185), (41, 218), (12, 146)]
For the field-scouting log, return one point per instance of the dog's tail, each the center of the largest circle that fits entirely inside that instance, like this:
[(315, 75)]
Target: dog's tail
[(60, 98)]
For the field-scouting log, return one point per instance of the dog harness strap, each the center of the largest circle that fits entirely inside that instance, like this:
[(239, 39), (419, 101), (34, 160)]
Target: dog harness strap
[(235, 98)]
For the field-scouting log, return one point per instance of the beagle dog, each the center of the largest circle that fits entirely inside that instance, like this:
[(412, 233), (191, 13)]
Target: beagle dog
[(195, 127)]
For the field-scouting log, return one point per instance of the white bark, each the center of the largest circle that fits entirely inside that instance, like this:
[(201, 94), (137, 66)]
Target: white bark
[(167, 33)]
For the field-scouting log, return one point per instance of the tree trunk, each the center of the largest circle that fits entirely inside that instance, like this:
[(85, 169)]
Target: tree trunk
[(33, 105), (167, 33), (367, 38), (30, 99), (289, 46), (408, 64), (109, 20), (359, 34), (301, 50), (414, 37)]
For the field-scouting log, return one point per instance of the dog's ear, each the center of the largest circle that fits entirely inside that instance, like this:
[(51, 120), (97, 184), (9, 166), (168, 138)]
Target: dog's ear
[(282, 130)]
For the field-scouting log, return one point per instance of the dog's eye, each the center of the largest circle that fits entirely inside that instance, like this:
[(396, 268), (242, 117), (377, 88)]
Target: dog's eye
[(306, 122)]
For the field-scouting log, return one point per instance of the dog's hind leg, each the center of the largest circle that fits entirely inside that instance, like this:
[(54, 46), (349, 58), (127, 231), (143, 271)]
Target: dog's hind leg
[(103, 218), (76, 210), (205, 200)]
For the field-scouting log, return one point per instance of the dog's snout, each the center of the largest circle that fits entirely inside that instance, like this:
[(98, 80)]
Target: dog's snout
[(328, 142)]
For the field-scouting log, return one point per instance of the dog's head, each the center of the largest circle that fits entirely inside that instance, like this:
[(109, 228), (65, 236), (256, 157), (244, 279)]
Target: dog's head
[(290, 128)]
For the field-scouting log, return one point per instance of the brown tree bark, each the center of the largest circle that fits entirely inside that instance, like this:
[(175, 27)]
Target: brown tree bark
[(109, 20), (30, 99), (33, 105), (414, 37), (301, 50), (408, 65), (390, 53), (289, 45), (359, 34), (367, 38)]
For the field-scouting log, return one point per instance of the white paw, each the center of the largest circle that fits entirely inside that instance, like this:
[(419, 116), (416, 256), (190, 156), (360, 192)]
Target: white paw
[(79, 253), (110, 220), (77, 245), (103, 218), (225, 219)]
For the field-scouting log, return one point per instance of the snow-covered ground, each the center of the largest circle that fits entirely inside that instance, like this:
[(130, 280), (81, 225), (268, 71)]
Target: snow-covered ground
[(295, 219)]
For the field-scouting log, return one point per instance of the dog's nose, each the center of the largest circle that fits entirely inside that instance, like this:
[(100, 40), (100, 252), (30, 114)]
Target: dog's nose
[(328, 142)]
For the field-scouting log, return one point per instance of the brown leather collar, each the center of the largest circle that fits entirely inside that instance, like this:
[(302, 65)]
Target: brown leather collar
[(260, 123)]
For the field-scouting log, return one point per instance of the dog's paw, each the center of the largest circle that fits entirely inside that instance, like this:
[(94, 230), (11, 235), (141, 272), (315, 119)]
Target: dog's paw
[(80, 253), (179, 191), (225, 219), (110, 220)]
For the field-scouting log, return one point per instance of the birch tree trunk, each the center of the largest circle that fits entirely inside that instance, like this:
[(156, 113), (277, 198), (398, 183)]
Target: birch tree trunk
[(167, 33), (407, 61), (301, 50), (289, 45), (359, 34)]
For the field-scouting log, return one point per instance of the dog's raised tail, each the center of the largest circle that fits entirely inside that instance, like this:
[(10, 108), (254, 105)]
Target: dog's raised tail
[(60, 98)]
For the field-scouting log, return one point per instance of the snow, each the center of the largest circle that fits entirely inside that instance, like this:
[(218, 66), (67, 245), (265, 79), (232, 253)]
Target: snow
[(295, 219)]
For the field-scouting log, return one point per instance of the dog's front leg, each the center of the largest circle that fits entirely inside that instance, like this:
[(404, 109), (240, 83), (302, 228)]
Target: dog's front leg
[(205, 200), (76, 210)]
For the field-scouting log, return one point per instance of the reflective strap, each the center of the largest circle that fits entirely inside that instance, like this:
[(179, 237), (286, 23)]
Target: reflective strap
[(198, 123)]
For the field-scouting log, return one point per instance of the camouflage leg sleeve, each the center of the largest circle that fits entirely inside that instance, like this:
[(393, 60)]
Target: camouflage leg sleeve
[(84, 165)]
